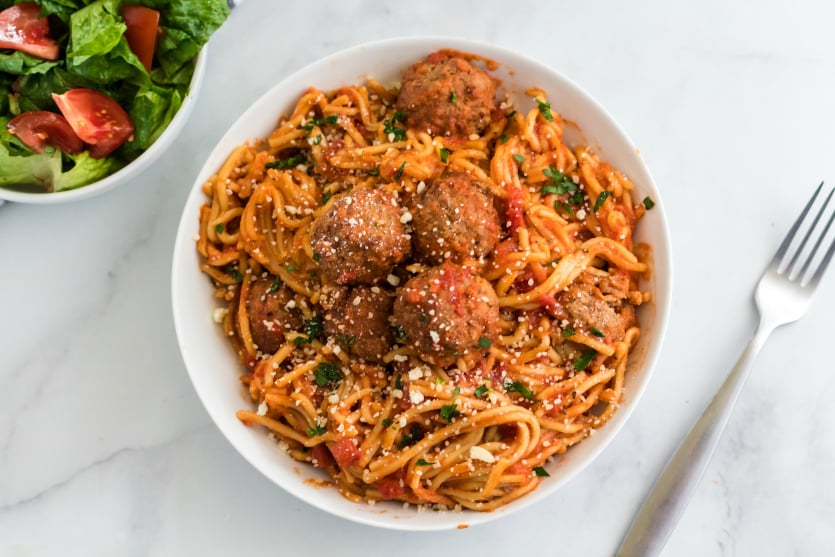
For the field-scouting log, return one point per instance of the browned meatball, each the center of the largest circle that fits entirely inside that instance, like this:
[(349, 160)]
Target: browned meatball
[(446, 96), (453, 218), (271, 314), (358, 320), (596, 305), (445, 311), (361, 238)]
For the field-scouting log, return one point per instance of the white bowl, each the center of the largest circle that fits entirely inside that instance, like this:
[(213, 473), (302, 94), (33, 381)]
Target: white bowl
[(214, 368), (136, 166)]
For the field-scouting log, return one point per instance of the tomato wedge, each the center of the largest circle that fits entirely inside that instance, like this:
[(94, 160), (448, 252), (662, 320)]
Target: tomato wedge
[(21, 29), (142, 31), (39, 128), (96, 118)]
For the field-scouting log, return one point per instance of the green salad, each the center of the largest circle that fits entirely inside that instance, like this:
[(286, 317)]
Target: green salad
[(87, 86)]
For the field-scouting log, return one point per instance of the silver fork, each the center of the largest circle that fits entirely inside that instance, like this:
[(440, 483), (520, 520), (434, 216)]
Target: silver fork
[(783, 295)]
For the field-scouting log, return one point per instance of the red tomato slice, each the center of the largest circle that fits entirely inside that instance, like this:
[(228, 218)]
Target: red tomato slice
[(142, 31), (345, 452), (38, 128), (21, 29), (96, 118)]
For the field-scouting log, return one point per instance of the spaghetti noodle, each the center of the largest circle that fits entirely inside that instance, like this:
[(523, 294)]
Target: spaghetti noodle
[(397, 423)]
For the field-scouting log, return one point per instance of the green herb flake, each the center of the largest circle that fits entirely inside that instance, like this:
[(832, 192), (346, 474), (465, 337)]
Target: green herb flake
[(456, 391), (568, 332), (596, 332), (400, 171), (423, 319), (576, 198), (511, 114), (236, 275), (347, 340), (400, 334), (648, 203), (326, 372), (519, 158), (332, 119), (545, 110), (316, 431), (584, 360), (275, 285), (481, 391), (564, 206), (485, 342), (316, 257), (291, 268), (445, 154), (314, 328), (389, 128), (386, 422), (374, 172), (398, 382), (422, 462), (409, 438), (291, 162), (316, 140), (219, 228), (326, 197), (601, 199), (541, 472), (453, 97), (503, 139), (449, 412), (553, 261), (519, 387)]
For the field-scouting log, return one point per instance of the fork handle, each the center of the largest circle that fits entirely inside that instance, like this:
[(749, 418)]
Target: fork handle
[(672, 491)]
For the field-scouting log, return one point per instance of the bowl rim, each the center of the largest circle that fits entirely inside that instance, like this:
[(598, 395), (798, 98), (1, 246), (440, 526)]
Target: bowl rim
[(662, 303), (133, 168)]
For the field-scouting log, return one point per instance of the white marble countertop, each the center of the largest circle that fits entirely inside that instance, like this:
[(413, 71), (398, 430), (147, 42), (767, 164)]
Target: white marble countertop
[(106, 450)]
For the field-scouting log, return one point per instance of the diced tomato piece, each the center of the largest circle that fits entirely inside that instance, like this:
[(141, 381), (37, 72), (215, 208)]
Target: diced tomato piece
[(39, 128), (96, 118), (393, 486), (321, 456), (142, 31), (21, 29), (345, 452)]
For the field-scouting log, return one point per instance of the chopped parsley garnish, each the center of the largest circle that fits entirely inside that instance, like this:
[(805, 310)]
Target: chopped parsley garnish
[(456, 391), (584, 360), (519, 158), (484, 342), (316, 257), (453, 97), (445, 154), (400, 333), (326, 372), (275, 285), (347, 340), (554, 261), (519, 387), (564, 206), (422, 462), (390, 128), (503, 138), (545, 110), (596, 332), (326, 197), (409, 438), (312, 273), (511, 114), (541, 472), (291, 268), (600, 199), (313, 327), (291, 162), (481, 391), (568, 332), (400, 171), (236, 274), (316, 431), (576, 197), (449, 411), (424, 319), (301, 339), (317, 140), (386, 422), (375, 172), (648, 203), (560, 183), (219, 228), (332, 119), (398, 383)]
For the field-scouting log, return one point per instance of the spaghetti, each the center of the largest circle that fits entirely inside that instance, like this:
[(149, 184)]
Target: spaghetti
[(392, 424)]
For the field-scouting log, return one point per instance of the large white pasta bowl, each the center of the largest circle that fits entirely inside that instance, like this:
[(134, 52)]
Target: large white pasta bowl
[(214, 367)]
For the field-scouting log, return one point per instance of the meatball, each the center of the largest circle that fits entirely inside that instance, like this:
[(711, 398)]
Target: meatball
[(598, 303), (358, 320), (361, 238), (445, 311), (446, 96), (453, 218), (271, 314)]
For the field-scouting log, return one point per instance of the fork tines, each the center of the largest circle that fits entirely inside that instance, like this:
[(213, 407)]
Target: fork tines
[(803, 262)]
